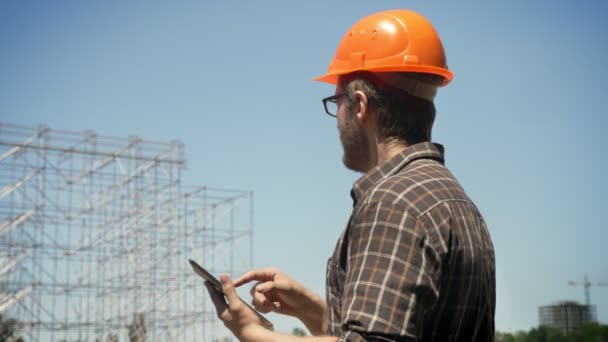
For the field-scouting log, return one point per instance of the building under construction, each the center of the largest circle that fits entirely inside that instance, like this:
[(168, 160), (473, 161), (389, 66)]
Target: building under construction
[(566, 316), (96, 232)]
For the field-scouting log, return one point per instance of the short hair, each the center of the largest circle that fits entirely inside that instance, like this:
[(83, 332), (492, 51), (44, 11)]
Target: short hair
[(401, 116)]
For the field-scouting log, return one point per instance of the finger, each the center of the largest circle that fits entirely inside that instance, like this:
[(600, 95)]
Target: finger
[(217, 298), (263, 308), (252, 291), (261, 303), (262, 274), (229, 291), (262, 299), (265, 287), (262, 287), (259, 300)]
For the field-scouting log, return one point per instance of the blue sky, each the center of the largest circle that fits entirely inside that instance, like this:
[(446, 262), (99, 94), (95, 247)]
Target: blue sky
[(522, 122)]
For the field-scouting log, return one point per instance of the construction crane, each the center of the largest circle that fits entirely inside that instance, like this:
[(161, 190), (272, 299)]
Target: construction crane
[(587, 285)]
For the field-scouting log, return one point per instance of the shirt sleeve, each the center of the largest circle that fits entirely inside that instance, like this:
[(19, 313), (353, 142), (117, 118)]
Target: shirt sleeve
[(392, 272)]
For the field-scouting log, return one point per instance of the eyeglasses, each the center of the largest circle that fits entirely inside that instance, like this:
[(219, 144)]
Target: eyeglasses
[(331, 104)]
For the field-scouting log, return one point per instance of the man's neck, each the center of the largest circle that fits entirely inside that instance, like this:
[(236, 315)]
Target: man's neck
[(389, 148)]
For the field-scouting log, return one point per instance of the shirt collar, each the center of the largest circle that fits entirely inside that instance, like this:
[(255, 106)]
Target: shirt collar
[(425, 150)]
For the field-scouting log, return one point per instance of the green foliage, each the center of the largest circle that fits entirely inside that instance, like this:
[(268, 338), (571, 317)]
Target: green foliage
[(223, 339), (112, 338), (592, 332), (9, 328), (298, 332), (137, 328)]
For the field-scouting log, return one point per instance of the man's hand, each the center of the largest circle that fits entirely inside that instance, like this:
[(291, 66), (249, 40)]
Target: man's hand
[(274, 291), (237, 317)]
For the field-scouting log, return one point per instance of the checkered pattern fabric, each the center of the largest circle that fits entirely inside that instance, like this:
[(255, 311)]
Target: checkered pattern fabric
[(415, 262)]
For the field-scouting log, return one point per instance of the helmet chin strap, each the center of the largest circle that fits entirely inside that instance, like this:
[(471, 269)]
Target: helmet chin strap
[(414, 87)]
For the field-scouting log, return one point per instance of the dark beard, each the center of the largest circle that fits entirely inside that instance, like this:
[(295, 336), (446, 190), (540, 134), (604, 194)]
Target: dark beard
[(354, 144)]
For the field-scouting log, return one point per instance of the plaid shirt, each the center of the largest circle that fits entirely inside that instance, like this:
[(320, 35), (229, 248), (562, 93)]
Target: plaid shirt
[(416, 261)]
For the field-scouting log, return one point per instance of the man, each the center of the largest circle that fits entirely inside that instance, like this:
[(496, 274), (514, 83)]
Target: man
[(415, 262)]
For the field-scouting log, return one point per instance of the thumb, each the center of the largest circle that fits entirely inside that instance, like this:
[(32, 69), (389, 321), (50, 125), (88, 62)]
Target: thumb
[(228, 289), (265, 287)]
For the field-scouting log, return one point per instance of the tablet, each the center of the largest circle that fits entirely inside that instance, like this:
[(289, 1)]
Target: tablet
[(198, 269)]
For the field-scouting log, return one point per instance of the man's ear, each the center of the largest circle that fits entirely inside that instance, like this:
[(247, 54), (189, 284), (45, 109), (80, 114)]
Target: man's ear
[(363, 114)]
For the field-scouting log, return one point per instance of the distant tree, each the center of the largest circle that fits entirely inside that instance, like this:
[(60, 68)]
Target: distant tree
[(137, 328), (592, 332), (298, 332), (504, 337), (112, 338), (223, 339), (520, 336), (9, 329), (546, 334)]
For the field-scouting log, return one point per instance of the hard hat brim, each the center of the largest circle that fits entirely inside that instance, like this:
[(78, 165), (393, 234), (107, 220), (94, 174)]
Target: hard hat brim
[(332, 77)]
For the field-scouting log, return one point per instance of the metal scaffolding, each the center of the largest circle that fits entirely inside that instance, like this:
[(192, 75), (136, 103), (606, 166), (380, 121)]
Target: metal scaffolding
[(95, 234)]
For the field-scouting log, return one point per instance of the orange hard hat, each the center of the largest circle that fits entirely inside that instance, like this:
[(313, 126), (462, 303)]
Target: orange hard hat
[(390, 41)]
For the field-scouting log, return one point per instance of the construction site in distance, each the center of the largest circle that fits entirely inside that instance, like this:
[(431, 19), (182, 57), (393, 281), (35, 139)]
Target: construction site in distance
[(96, 233)]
